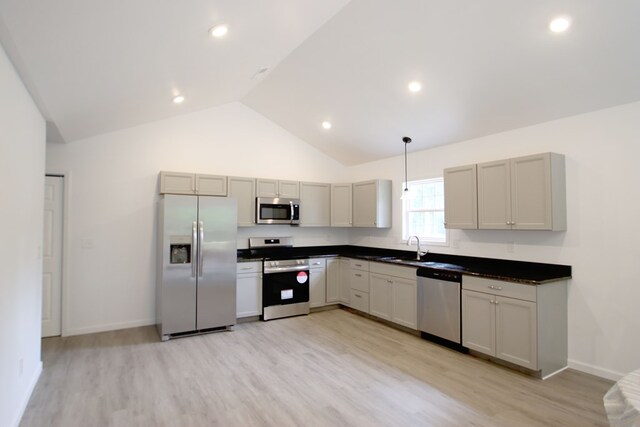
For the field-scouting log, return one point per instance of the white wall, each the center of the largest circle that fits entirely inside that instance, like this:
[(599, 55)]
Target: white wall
[(602, 150), (22, 147), (113, 193)]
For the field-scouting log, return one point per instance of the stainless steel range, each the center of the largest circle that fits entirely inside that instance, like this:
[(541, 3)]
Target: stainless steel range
[(285, 282)]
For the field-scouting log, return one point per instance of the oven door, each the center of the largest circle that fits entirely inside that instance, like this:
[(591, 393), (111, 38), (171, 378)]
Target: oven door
[(284, 288)]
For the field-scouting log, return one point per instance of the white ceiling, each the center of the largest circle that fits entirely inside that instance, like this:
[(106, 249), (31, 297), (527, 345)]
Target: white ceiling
[(486, 67)]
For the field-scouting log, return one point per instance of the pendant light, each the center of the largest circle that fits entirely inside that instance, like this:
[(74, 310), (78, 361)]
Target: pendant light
[(405, 192)]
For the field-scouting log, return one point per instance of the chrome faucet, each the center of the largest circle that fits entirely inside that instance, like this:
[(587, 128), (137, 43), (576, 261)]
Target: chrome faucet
[(418, 252)]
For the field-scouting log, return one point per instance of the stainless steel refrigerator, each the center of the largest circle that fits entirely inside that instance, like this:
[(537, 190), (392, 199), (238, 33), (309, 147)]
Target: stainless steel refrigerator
[(196, 277)]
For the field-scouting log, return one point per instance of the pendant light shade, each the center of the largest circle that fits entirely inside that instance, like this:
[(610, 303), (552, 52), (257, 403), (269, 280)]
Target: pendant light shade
[(405, 192)]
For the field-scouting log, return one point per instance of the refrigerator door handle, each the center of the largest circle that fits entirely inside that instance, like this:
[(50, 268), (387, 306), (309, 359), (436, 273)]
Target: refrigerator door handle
[(194, 242), (200, 243)]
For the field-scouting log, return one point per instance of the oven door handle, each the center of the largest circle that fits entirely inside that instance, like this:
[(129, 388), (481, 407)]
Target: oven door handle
[(285, 269)]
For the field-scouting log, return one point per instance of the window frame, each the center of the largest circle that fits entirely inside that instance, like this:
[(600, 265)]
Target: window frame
[(405, 214)]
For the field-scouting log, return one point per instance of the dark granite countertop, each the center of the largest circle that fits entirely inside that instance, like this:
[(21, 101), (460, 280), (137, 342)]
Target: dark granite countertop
[(531, 273)]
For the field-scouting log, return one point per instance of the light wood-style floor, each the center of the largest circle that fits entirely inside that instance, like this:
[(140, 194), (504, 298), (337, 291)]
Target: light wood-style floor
[(331, 368)]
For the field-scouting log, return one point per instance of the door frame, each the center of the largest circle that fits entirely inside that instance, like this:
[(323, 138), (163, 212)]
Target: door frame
[(66, 190)]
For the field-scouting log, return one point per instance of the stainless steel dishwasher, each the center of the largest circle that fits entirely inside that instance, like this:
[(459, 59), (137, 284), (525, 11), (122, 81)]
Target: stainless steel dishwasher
[(439, 307)]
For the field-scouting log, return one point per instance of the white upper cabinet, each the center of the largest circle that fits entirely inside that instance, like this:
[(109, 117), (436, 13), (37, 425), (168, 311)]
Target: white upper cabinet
[(244, 191), (460, 197), (525, 193), (341, 201), (189, 183), (372, 204), (278, 188), (315, 204)]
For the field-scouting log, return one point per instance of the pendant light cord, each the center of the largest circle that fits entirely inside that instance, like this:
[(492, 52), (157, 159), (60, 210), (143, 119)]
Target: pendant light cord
[(406, 184)]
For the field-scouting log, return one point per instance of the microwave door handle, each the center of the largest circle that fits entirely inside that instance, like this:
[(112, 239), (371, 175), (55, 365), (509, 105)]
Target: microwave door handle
[(194, 242), (200, 244), (291, 210)]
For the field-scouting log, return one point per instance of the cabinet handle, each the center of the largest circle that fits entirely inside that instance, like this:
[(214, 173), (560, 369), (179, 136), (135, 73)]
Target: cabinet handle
[(247, 268), (358, 265), (316, 263), (389, 281), (357, 296), (498, 288), (358, 275)]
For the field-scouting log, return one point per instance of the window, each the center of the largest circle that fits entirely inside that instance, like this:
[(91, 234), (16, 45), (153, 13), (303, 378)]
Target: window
[(423, 211)]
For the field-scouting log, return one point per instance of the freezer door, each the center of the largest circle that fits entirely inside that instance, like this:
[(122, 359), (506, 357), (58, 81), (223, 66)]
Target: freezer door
[(217, 228), (178, 285)]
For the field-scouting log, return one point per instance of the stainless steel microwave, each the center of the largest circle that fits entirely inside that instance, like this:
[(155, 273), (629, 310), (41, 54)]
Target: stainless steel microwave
[(277, 211)]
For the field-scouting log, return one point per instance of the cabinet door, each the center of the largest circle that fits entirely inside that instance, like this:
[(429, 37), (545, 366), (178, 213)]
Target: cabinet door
[(494, 195), (244, 191), (341, 200), (478, 322), (516, 339), (177, 183), (289, 189), (266, 188), (380, 296), (531, 192), (333, 280), (364, 204), (460, 197), (211, 185), (345, 281), (372, 204), (315, 204), (317, 287), (248, 295), (405, 303)]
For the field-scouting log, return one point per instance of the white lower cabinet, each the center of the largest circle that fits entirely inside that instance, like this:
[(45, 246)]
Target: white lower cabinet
[(380, 296), (404, 308), (359, 300), (393, 293), (358, 279), (344, 286), (522, 324), (333, 280), (249, 289), (317, 282)]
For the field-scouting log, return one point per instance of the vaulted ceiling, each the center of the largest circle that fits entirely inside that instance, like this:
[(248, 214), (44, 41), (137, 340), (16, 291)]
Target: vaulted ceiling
[(95, 66)]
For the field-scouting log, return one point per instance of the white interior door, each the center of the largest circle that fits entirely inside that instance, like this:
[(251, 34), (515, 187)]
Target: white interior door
[(52, 257)]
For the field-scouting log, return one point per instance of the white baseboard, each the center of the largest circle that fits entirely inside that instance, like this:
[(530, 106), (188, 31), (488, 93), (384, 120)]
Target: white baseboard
[(108, 327), (595, 370), (27, 396)]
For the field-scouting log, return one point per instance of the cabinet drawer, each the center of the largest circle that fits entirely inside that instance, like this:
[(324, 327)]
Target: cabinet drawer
[(498, 287), (393, 270), (249, 267), (358, 264), (317, 263), (359, 300), (359, 280)]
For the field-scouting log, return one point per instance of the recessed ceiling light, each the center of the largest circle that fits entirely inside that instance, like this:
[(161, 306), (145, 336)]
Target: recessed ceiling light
[(178, 99), (415, 86), (219, 30), (326, 124), (560, 24)]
